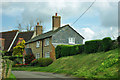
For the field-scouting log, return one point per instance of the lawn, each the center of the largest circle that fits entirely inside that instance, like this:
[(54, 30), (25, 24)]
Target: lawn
[(96, 65)]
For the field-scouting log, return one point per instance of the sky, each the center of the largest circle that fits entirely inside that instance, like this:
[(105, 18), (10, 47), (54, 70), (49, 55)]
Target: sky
[(100, 21)]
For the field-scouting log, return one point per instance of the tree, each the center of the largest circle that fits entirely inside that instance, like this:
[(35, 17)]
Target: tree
[(19, 27), (19, 48)]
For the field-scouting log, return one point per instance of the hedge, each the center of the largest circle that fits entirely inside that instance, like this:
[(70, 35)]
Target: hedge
[(118, 39), (68, 50), (93, 46), (107, 44)]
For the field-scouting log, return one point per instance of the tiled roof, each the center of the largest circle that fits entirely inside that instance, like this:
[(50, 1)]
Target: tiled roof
[(25, 35), (48, 34), (8, 36)]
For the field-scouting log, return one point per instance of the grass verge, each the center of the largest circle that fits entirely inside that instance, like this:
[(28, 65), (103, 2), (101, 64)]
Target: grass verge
[(96, 65)]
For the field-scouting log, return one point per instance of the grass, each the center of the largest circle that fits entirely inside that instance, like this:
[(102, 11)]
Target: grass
[(96, 65), (11, 77)]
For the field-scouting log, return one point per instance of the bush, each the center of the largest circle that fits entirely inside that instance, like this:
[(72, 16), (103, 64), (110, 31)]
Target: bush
[(68, 50), (93, 46), (107, 43), (29, 58), (118, 39), (42, 62), (114, 44), (34, 62)]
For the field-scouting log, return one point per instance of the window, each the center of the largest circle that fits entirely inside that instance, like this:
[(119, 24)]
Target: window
[(71, 40), (37, 56), (27, 45), (38, 44), (46, 42), (47, 55)]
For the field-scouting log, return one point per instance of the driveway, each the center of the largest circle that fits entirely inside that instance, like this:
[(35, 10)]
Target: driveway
[(24, 75)]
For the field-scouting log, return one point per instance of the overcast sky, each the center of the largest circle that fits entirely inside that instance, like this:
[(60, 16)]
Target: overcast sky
[(100, 21)]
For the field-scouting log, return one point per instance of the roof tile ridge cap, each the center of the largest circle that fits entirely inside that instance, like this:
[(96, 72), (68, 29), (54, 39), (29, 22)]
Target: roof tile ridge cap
[(10, 31)]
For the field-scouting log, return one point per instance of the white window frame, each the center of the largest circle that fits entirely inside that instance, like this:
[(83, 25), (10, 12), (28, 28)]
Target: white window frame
[(27, 45), (47, 55), (38, 44), (47, 42), (37, 55), (71, 40)]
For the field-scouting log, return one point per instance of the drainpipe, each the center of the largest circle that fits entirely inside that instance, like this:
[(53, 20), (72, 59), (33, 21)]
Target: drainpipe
[(42, 48)]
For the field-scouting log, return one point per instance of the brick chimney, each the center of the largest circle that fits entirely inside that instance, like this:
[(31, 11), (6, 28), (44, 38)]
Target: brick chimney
[(39, 29), (56, 22)]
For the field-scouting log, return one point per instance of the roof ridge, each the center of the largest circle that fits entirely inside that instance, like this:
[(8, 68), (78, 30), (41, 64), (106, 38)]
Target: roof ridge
[(10, 31)]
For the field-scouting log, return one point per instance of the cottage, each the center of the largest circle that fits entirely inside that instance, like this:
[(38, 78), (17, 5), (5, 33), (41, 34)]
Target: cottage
[(43, 44)]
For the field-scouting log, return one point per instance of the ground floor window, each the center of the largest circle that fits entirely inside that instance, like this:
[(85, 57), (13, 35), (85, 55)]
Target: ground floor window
[(37, 55), (47, 54)]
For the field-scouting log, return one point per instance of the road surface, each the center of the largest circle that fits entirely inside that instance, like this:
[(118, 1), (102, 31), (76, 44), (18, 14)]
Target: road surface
[(26, 75)]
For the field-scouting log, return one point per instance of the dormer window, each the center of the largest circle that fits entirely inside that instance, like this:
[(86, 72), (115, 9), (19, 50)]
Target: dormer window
[(38, 44), (71, 40)]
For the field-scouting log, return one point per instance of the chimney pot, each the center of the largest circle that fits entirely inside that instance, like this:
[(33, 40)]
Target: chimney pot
[(37, 23), (55, 14)]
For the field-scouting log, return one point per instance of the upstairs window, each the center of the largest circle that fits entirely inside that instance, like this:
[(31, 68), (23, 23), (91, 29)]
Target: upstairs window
[(47, 42), (71, 40), (38, 44), (47, 54), (37, 56), (27, 45)]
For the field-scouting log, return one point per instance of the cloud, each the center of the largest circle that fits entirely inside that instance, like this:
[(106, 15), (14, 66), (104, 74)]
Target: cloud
[(87, 33), (26, 12), (108, 12), (44, 10)]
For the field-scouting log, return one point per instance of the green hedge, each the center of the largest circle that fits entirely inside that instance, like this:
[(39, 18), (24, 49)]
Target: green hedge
[(118, 39), (68, 50), (107, 44), (93, 46)]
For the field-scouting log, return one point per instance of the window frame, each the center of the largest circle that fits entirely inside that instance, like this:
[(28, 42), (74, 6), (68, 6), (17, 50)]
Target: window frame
[(71, 40), (28, 46), (37, 44), (46, 55), (37, 55), (47, 42)]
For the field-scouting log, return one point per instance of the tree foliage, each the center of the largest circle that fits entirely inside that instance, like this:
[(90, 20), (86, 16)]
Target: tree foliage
[(19, 48)]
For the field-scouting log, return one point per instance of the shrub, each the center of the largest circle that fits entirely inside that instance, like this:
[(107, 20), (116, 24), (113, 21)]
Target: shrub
[(93, 46), (34, 62), (107, 43), (29, 58), (68, 50), (42, 62), (118, 39), (114, 44)]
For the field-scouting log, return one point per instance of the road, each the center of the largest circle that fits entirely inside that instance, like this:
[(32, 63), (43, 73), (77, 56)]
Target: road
[(24, 75)]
